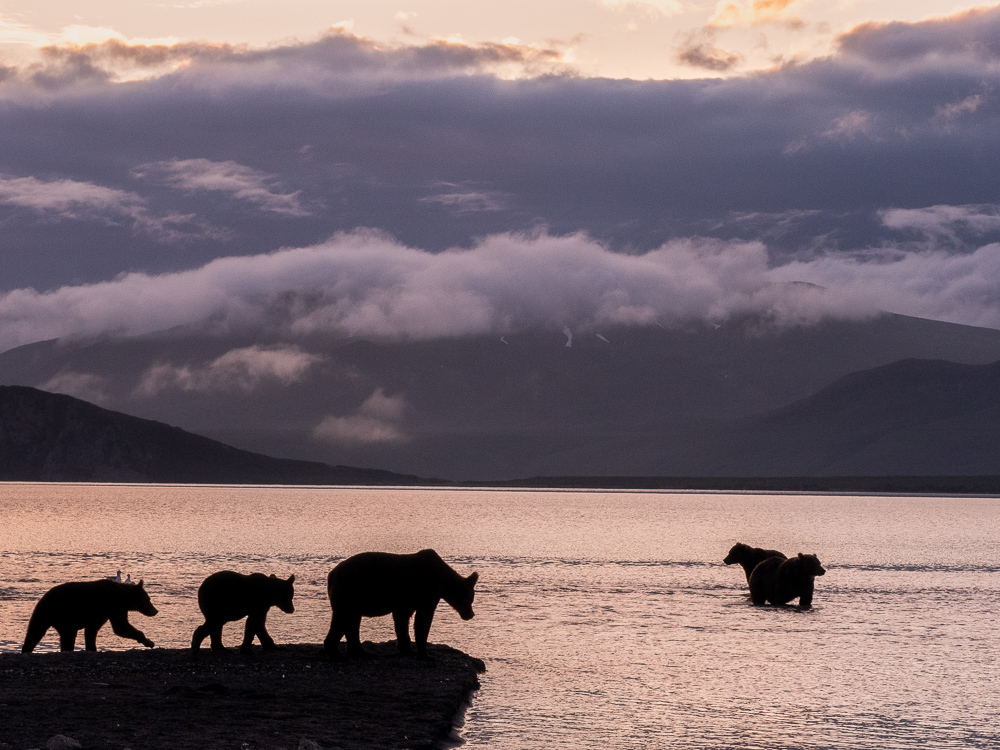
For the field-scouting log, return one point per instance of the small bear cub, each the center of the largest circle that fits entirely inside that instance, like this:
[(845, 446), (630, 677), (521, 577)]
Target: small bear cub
[(228, 596)]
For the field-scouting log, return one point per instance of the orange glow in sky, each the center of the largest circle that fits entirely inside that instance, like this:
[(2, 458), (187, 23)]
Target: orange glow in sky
[(613, 38)]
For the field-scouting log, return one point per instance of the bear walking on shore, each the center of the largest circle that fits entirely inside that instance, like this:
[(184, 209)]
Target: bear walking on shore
[(228, 596), (87, 606), (373, 584), (749, 557), (778, 581)]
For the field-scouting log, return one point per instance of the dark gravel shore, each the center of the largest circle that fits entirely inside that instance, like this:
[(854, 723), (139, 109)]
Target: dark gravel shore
[(169, 698)]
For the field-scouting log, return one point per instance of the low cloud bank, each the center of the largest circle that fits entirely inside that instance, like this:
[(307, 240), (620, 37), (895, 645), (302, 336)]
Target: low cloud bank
[(366, 283)]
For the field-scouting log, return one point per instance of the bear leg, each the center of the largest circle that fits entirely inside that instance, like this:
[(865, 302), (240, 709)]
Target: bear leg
[(262, 635), (215, 634), (36, 631), (806, 598), (124, 629), (332, 643), (422, 628), (67, 639), (200, 634), (401, 621), (90, 637), (352, 628)]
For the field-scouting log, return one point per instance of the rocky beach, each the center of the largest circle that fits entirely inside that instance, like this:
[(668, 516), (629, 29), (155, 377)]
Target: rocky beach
[(283, 700)]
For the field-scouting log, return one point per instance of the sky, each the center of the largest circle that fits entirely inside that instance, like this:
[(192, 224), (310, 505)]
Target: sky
[(448, 168)]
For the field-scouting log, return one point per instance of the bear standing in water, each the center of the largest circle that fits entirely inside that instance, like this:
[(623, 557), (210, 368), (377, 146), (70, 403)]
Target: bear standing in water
[(374, 584), (87, 606), (749, 557), (227, 596), (778, 581)]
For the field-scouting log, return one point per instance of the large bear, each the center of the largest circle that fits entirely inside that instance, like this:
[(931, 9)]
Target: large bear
[(373, 584), (748, 557), (778, 581), (87, 606), (228, 596)]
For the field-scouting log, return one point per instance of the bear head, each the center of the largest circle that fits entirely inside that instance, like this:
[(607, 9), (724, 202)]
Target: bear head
[(809, 565), (282, 592), (737, 553), (463, 596), (138, 599)]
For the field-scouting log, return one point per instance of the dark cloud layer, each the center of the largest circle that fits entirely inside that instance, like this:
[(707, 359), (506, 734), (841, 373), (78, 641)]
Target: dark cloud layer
[(882, 153)]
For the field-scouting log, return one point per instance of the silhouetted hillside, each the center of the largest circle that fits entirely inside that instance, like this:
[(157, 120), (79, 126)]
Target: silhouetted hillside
[(634, 400), (51, 437), (917, 417)]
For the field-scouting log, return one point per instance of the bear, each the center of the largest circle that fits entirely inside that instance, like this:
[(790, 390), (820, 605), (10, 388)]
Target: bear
[(748, 556), (373, 584), (88, 605), (227, 596), (778, 580)]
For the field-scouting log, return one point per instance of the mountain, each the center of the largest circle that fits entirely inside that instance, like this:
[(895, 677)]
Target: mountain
[(52, 437), (915, 417), (628, 400)]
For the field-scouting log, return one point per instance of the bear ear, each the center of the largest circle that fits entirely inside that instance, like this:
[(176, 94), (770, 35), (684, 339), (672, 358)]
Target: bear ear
[(291, 578), (473, 577), (140, 583), (273, 576), (800, 555)]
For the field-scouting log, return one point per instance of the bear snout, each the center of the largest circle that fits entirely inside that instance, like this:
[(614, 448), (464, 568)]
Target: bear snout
[(467, 614), (821, 571), (150, 611), (287, 607)]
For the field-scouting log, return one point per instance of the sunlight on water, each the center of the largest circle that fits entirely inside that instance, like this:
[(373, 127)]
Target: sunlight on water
[(605, 619)]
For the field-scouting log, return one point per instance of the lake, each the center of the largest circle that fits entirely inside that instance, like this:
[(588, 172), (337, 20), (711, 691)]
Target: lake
[(604, 618)]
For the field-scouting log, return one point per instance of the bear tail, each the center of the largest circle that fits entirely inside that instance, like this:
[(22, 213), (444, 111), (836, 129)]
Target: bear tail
[(36, 629)]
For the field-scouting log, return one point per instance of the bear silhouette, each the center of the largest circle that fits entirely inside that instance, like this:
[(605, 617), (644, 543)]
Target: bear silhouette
[(88, 605), (228, 596), (778, 581), (373, 584), (748, 557)]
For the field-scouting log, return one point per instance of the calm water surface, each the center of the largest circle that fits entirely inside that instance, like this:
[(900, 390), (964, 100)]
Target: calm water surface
[(605, 619)]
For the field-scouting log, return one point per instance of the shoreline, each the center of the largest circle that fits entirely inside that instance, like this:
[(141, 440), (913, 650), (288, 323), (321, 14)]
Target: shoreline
[(172, 698)]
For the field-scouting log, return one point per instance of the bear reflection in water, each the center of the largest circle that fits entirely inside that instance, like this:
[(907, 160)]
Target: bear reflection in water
[(778, 581), (228, 596), (373, 584), (87, 606), (749, 557)]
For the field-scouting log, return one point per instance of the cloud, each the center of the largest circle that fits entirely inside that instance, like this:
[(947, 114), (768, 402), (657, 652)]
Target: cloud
[(461, 202), (68, 198), (242, 370), (339, 57), (945, 224), (72, 199), (378, 420), (442, 143), (729, 13), (229, 178), (82, 385), (937, 284), (659, 7), (699, 51), (369, 284)]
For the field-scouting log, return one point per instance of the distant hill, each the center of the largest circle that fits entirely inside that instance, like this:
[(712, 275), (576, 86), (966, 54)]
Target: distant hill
[(52, 437), (633, 400), (914, 418)]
